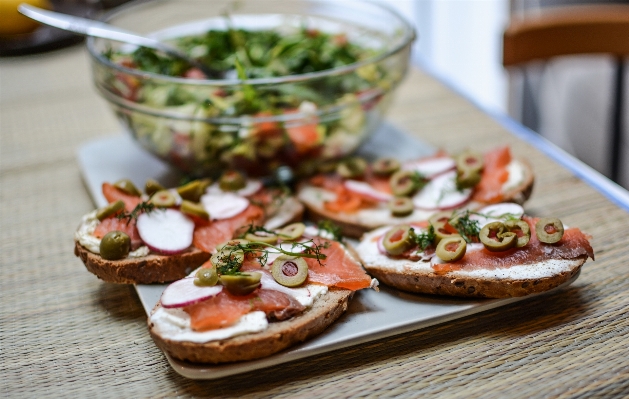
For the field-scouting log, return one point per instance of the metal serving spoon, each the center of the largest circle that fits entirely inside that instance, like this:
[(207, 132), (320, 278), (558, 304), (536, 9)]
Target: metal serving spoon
[(89, 27)]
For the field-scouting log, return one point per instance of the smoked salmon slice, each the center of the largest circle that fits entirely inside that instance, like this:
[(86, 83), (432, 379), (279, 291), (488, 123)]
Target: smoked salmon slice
[(225, 309), (573, 244), (207, 237), (494, 175), (113, 194), (113, 223), (338, 269)]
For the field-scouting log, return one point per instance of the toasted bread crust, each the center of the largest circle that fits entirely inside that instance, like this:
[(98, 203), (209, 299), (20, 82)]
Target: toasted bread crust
[(278, 335), (145, 270), (351, 227), (462, 285)]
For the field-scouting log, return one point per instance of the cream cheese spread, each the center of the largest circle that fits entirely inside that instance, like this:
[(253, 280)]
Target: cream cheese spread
[(84, 235)]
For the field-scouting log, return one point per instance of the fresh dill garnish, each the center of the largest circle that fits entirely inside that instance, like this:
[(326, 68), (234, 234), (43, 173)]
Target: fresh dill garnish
[(142, 207), (331, 228), (419, 180), (426, 239), (467, 228)]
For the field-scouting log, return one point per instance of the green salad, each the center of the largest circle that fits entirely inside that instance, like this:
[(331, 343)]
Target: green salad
[(256, 127)]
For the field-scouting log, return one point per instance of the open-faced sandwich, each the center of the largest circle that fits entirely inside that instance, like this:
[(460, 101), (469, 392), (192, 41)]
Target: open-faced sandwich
[(163, 234), (360, 197), (496, 252), (258, 295)]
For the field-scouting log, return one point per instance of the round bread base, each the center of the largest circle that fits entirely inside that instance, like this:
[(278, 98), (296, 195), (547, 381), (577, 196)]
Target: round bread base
[(461, 284), (278, 336), (145, 270)]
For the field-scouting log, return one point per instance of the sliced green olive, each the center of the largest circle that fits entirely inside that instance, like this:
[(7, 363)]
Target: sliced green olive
[(228, 256), (549, 230), (241, 284), (232, 180), (109, 210), (467, 179), (521, 229), (262, 237), (469, 161), (115, 245), (404, 183), (206, 276), (496, 238), (292, 231), (152, 186), (327, 167), (232, 243), (440, 223), (451, 249), (193, 190), (400, 206), (289, 271), (399, 239), (352, 167), (163, 199), (128, 187), (194, 209), (385, 166)]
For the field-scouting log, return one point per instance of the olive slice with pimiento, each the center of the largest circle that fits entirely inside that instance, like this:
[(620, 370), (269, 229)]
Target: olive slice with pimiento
[(163, 199), (385, 166), (206, 276), (152, 186), (228, 256), (405, 182), (289, 271), (351, 168), (292, 231), (128, 187), (440, 223), (194, 209), (232, 180), (469, 161), (241, 284), (262, 236), (109, 210), (495, 237), (193, 190), (467, 179), (399, 239), (400, 206), (549, 230), (115, 245), (521, 229), (451, 249)]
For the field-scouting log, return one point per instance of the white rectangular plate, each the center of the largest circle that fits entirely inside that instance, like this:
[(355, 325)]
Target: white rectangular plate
[(370, 316)]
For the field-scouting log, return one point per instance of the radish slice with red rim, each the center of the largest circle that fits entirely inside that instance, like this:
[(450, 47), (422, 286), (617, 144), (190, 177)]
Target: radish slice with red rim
[(224, 205), (430, 168), (367, 190), (441, 193), (185, 293), (165, 231), (497, 212)]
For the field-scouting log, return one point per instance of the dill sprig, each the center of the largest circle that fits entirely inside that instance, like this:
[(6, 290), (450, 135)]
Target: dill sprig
[(425, 239), (467, 228), (142, 207), (331, 228)]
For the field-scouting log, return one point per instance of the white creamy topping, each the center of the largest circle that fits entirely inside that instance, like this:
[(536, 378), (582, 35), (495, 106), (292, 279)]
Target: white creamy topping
[(516, 175), (84, 235), (287, 211)]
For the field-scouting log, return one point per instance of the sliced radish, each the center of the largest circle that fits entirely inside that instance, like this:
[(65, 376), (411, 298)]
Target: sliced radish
[(441, 193), (165, 231), (497, 212), (430, 168), (367, 190), (252, 187), (185, 293), (224, 205)]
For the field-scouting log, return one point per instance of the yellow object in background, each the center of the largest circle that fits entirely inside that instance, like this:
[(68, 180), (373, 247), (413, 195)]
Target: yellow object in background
[(12, 22)]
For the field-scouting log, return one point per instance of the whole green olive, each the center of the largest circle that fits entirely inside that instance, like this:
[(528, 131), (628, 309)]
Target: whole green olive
[(115, 245), (206, 276)]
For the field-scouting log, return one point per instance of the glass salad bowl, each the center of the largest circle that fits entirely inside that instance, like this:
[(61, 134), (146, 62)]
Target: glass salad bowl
[(294, 83)]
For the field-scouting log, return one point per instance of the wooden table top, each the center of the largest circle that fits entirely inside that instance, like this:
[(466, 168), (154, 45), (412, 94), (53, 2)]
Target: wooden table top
[(65, 333)]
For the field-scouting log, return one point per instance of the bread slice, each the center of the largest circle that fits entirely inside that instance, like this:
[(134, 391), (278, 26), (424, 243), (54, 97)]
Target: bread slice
[(276, 337), (155, 268), (420, 277), (148, 269), (364, 220)]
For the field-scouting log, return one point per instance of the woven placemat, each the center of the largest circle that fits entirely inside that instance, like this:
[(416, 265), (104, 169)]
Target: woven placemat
[(65, 333)]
